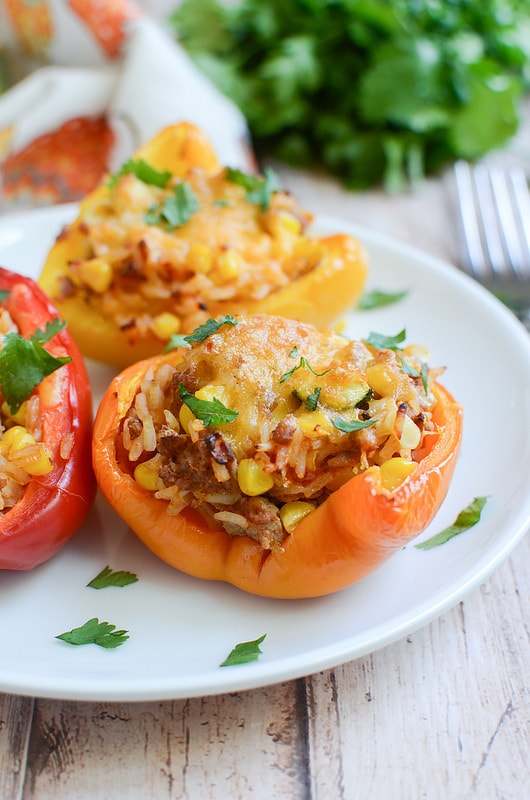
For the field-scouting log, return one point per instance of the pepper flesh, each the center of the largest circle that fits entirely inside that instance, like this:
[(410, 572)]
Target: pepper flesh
[(320, 296), (54, 505), (347, 537)]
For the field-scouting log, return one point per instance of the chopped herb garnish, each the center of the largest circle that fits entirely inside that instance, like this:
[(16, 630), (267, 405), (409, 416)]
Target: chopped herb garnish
[(294, 352), (408, 369), (93, 631), (176, 340), (259, 189), (25, 363), (311, 401), (108, 577), (175, 210), (143, 171), (467, 518), (354, 425), (382, 342), (378, 299), (211, 412), (210, 327), (244, 653), (425, 377), (302, 364), (222, 203), (4, 294)]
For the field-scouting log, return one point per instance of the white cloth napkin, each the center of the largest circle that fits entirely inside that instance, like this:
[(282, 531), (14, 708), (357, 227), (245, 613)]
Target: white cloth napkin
[(152, 84)]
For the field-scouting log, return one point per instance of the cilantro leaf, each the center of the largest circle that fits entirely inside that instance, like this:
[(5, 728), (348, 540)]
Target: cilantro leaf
[(378, 299), (244, 653), (302, 364), (24, 363), (467, 518), (382, 342), (353, 425), (4, 294), (175, 210), (211, 412), (311, 401), (143, 171), (108, 577), (210, 327), (93, 631), (259, 189)]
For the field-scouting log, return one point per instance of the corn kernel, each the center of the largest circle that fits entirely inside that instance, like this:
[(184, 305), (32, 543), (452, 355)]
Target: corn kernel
[(314, 423), (291, 514), (211, 392), (165, 325), (229, 264), (97, 274), (35, 459), (252, 479), (186, 417), (199, 258), (380, 379), (284, 406), (283, 223), (395, 471), (19, 417), (341, 397), (146, 474), (16, 438)]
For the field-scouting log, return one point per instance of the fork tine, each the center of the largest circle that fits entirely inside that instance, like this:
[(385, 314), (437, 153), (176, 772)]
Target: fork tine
[(510, 220), (521, 194), (487, 203), (471, 236)]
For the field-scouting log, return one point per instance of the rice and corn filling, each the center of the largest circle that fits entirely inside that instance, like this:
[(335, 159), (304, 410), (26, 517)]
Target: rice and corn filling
[(23, 456), (158, 257), (265, 417)]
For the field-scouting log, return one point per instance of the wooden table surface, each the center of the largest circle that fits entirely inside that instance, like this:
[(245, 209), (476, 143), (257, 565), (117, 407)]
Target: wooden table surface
[(444, 713)]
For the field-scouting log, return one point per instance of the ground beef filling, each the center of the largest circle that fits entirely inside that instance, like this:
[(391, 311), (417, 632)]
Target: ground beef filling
[(296, 449)]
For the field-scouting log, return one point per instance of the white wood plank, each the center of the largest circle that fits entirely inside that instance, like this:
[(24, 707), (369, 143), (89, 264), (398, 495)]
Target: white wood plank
[(444, 713), (15, 725), (213, 747)]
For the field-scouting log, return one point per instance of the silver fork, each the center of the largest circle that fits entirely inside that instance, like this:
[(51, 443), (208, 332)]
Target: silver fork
[(494, 206)]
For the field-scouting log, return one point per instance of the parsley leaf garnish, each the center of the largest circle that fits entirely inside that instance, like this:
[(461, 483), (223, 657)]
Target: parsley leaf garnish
[(382, 342), (108, 577), (311, 401), (259, 189), (93, 631), (175, 210), (200, 333), (24, 363), (4, 294), (354, 425), (302, 364), (378, 299), (467, 518), (210, 327), (211, 412), (244, 653), (143, 171)]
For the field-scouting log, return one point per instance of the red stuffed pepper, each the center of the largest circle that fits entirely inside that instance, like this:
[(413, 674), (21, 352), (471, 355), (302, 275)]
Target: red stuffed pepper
[(46, 479)]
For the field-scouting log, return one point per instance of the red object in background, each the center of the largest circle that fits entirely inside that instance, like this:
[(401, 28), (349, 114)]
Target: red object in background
[(61, 166), (106, 20), (54, 505)]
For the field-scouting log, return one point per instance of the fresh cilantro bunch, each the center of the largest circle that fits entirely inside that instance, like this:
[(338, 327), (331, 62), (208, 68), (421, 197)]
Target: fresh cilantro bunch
[(377, 91)]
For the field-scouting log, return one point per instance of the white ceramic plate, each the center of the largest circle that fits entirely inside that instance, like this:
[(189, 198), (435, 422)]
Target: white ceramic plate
[(181, 628)]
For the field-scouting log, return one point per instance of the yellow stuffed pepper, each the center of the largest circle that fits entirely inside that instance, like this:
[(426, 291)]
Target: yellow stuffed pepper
[(173, 238)]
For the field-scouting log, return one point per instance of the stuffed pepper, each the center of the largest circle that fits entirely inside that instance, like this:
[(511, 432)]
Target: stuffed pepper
[(287, 461), (172, 239), (46, 483)]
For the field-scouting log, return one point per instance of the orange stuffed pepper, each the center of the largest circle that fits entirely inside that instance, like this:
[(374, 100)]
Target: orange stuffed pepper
[(286, 461), (173, 239)]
